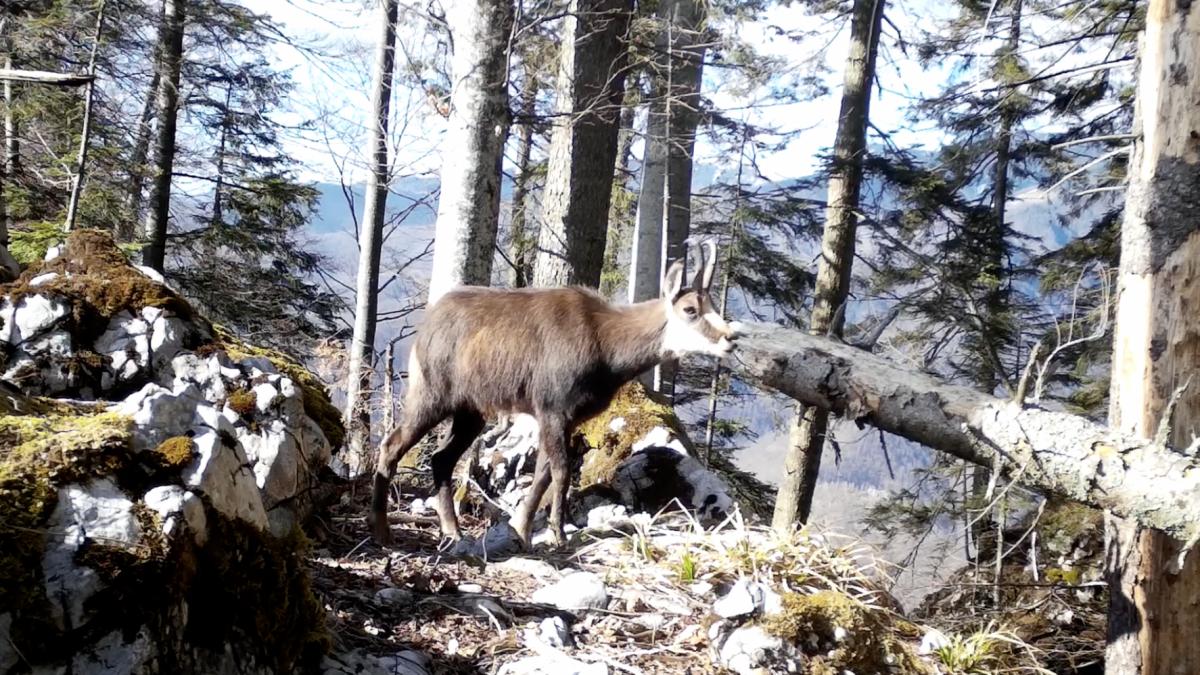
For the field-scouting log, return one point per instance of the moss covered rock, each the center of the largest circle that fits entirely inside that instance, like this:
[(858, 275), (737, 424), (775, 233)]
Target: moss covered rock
[(151, 521)]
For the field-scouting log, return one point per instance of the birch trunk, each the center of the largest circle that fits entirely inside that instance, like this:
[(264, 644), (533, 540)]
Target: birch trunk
[(806, 440), (583, 149), (370, 246), (86, 133), (170, 58), (1153, 598), (465, 236)]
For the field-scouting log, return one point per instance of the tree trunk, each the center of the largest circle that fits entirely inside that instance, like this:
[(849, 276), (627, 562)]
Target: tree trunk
[(473, 150), (9, 269), (218, 215), (370, 246), (995, 302), (646, 263), (389, 386), (137, 162), (583, 149), (620, 213), (1051, 452), (520, 249), (12, 141), (86, 133), (806, 440), (170, 40), (1153, 597), (688, 46)]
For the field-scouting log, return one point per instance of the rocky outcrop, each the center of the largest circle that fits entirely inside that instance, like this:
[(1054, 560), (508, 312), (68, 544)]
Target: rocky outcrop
[(632, 458), (153, 481)]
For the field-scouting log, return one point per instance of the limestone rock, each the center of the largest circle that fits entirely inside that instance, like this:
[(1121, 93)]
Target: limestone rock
[(553, 665), (99, 512), (750, 650), (578, 590), (746, 598)]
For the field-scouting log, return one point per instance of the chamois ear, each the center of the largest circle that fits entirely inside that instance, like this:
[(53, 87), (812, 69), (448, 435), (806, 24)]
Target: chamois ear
[(673, 279), (710, 263), (698, 279)]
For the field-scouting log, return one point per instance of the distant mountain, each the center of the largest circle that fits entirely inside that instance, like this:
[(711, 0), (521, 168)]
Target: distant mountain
[(333, 208)]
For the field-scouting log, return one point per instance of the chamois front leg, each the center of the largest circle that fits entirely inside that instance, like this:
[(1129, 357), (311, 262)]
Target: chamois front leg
[(397, 444), (463, 431)]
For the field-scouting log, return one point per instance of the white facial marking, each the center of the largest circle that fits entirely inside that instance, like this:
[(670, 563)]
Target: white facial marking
[(716, 320), (681, 337)]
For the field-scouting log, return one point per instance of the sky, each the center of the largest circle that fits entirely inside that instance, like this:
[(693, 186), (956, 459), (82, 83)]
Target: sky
[(338, 89), (332, 94)]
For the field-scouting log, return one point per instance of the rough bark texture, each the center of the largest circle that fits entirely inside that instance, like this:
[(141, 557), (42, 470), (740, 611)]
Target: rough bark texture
[(12, 141), (9, 269), (688, 46), (1157, 345), (521, 243), (621, 209), (170, 49), (86, 133), (664, 203), (465, 237), (806, 440), (583, 149), (137, 162), (370, 246), (645, 263), (1052, 452)]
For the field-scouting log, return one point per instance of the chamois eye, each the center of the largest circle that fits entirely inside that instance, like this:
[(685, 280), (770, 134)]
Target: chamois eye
[(690, 312)]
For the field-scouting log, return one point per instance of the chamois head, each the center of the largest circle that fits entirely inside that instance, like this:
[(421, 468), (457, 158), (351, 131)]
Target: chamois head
[(693, 324)]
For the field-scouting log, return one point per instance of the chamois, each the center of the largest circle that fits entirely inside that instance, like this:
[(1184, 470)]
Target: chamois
[(559, 354)]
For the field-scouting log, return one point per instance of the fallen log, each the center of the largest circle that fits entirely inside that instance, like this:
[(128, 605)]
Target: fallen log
[(1047, 451), (44, 77)]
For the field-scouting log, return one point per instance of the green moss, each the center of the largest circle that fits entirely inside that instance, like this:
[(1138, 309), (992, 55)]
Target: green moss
[(242, 402), (609, 448), (45, 444), (98, 283), (1058, 575), (871, 643), (317, 403), (174, 454), (1063, 523)]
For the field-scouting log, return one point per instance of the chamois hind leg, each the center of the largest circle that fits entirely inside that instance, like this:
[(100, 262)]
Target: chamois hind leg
[(419, 420), (554, 449), (463, 431), (522, 521)]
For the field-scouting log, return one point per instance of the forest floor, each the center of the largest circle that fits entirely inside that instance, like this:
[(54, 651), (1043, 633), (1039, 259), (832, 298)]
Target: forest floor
[(471, 618)]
